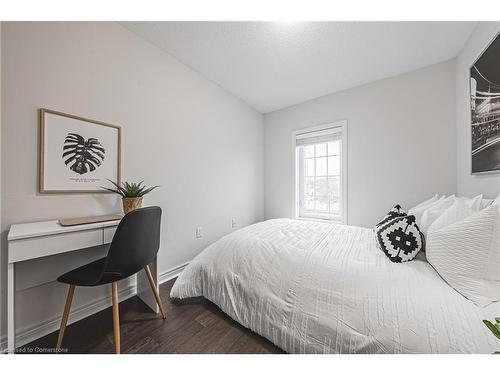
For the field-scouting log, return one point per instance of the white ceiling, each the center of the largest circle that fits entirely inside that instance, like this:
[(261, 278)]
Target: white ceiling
[(272, 65)]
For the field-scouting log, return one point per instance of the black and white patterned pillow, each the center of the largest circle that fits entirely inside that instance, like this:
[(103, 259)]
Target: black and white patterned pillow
[(400, 238), (396, 211)]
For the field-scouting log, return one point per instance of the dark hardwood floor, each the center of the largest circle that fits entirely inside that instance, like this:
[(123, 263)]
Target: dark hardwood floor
[(192, 326)]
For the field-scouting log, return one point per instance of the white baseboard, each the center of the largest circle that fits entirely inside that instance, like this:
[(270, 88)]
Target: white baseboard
[(43, 328), (27, 335), (171, 273)]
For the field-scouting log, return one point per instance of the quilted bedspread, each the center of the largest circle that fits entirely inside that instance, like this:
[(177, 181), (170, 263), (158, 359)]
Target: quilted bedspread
[(313, 287)]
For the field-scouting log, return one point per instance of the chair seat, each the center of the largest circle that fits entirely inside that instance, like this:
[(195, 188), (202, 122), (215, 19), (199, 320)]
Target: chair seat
[(90, 274)]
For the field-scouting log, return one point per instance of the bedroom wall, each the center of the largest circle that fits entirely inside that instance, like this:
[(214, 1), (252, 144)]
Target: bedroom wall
[(181, 131), (401, 142), (1, 242), (468, 185)]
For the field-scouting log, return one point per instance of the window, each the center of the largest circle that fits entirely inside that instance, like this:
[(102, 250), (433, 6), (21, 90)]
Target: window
[(320, 173)]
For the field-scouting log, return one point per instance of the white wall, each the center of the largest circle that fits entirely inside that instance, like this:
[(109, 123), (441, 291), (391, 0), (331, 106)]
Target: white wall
[(201, 144), (401, 142), (467, 184), (1, 242)]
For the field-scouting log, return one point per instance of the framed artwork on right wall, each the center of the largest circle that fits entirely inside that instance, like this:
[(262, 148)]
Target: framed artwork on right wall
[(485, 110)]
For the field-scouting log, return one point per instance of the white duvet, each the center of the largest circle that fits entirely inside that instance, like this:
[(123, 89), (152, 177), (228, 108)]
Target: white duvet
[(321, 288)]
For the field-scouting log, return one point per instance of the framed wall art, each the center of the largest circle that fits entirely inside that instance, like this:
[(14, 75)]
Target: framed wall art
[(77, 155), (485, 110)]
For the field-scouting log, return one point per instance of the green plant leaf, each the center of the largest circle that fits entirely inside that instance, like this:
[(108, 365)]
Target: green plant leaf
[(130, 189), (118, 190), (111, 190), (114, 183), (118, 187), (148, 190), (497, 320), (492, 328)]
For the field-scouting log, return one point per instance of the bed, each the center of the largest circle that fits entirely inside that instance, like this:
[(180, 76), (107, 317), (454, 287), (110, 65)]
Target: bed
[(313, 287)]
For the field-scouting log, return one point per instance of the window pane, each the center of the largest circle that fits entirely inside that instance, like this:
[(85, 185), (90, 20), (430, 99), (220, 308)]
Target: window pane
[(309, 185), (321, 167), (334, 148), (334, 165), (334, 206), (308, 167), (321, 149), (309, 204), (319, 179), (322, 204), (309, 151), (334, 187), (321, 187)]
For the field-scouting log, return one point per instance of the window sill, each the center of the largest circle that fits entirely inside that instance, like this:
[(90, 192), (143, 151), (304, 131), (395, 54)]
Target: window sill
[(327, 221)]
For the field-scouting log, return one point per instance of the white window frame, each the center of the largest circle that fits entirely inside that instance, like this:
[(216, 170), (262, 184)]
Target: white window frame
[(343, 173)]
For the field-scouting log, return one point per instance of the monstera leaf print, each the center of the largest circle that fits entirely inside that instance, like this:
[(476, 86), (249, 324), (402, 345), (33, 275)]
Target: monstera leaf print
[(82, 155)]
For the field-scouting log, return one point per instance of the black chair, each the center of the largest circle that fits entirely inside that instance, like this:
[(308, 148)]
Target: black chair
[(135, 245)]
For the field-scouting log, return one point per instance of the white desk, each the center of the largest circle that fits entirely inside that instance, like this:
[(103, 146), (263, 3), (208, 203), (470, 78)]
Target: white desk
[(35, 240)]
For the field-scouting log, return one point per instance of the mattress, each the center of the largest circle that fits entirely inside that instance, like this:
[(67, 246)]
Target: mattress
[(313, 287)]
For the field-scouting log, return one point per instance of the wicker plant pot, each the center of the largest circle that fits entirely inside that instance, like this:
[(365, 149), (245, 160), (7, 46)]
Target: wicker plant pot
[(131, 204)]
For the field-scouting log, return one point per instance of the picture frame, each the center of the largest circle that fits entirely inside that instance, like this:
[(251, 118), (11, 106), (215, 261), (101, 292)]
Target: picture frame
[(77, 154), (484, 91)]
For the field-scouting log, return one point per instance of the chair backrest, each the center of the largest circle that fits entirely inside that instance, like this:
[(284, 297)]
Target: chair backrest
[(135, 243)]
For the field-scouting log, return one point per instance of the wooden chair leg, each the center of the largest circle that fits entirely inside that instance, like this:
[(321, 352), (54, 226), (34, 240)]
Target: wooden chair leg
[(65, 316), (155, 291), (116, 318)]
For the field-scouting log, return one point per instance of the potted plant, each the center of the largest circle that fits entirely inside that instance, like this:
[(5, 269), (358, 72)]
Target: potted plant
[(494, 328), (131, 194)]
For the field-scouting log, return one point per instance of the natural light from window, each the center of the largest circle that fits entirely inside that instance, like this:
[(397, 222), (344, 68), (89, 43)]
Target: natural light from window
[(318, 180)]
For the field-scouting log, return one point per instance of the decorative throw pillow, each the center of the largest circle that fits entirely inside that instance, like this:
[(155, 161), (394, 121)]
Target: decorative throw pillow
[(396, 211), (400, 239), (466, 253)]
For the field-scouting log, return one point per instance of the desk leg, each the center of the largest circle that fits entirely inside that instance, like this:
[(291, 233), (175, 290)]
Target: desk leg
[(144, 291), (11, 327)]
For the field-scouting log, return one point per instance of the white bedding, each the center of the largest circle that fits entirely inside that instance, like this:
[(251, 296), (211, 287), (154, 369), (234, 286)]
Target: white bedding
[(321, 288)]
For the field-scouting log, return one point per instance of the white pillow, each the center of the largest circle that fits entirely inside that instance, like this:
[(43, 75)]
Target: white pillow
[(496, 202), (466, 253), (433, 212), (486, 202), (419, 209), (458, 211), (426, 202), (474, 203)]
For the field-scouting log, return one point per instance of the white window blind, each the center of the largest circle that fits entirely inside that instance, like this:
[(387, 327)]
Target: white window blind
[(314, 137), (319, 174)]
